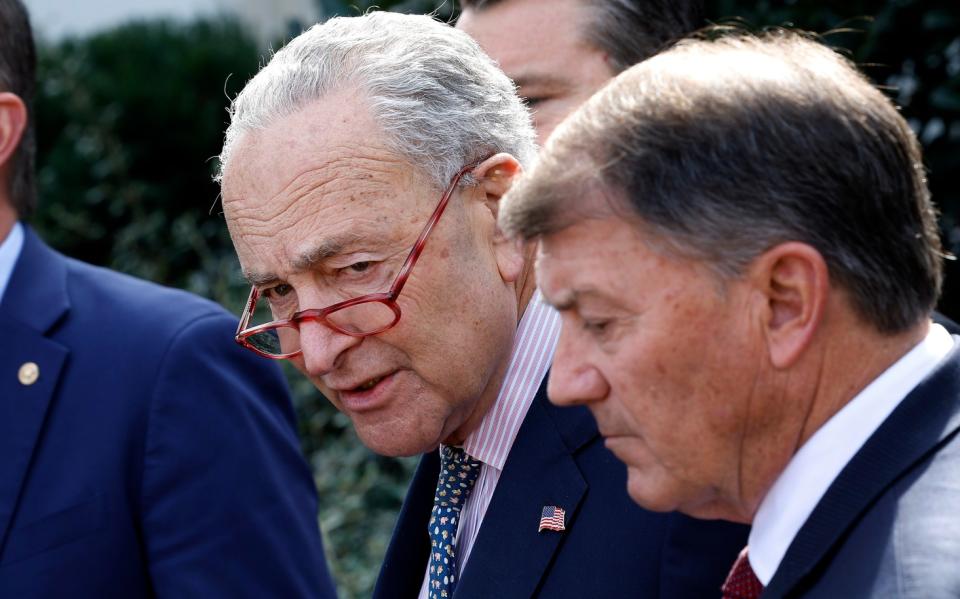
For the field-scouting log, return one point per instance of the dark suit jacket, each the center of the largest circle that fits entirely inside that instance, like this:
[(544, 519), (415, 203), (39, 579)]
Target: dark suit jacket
[(153, 456), (889, 526), (611, 547), (952, 327)]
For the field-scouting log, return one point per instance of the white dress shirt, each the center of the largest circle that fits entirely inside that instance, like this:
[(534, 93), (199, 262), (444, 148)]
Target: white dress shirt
[(9, 252), (533, 346), (812, 470)]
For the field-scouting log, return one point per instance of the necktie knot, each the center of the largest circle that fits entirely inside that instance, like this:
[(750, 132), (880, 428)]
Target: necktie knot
[(742, 581), (458, 474)]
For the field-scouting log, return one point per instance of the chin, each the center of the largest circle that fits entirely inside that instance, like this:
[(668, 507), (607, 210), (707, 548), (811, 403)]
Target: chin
[(649, 501), (388, 444), (675, 496), (392, 448), (396, 439), (655, 493)]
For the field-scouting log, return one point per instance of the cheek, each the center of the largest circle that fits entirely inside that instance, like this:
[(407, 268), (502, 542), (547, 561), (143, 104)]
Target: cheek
[(328, 393), (666, 396)]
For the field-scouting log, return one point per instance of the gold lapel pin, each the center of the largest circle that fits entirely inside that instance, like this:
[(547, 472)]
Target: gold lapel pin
[(28, 374)]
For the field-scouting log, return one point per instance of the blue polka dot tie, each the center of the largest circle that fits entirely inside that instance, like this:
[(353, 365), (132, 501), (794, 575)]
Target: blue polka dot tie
[(458, 473)]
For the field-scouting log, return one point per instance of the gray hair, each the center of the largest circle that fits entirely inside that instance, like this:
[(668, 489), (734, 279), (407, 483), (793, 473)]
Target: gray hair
[(724, 148), (629, 31), (18, 65), (441, 101)]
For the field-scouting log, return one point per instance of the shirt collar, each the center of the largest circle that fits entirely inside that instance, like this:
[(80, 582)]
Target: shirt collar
[(811, 471), (533, 346), (9, 252)]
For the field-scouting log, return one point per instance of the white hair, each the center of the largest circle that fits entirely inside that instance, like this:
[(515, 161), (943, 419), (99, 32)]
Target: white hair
[(441, 101)]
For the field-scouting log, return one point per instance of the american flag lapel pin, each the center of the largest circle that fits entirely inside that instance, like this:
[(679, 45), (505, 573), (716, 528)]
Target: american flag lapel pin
[(552, 518)]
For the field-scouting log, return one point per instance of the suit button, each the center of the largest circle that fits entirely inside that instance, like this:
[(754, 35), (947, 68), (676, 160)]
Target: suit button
[(29, 373)]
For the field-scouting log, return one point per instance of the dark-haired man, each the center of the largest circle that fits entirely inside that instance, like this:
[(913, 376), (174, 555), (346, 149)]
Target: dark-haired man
[(142, 454), (740, 240), (559, 52)]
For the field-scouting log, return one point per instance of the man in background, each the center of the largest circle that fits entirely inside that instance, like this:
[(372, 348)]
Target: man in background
[(559, 52), (142, 454), (740, 240), (362, 173)]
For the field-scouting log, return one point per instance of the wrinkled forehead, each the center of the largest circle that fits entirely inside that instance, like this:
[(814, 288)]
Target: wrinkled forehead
[(321, 136), (329, 151)]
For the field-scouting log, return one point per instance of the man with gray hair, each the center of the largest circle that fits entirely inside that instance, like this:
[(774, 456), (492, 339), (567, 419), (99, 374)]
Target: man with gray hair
[(362, 172), (740, 240)]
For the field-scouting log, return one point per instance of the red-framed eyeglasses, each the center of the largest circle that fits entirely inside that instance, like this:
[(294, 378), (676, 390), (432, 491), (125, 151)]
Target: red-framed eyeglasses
[(362, 316)]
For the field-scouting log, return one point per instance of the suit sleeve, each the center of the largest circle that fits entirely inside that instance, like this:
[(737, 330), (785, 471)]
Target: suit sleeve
[(228, 502)]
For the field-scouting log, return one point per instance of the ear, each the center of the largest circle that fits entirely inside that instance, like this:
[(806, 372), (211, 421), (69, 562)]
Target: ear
[(494, 176), (13, 120), (794, 283)]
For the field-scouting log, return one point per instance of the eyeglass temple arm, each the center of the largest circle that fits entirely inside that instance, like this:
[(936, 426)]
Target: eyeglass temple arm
[(414, 254)]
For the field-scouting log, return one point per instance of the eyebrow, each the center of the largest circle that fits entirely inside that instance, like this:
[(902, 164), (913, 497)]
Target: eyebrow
[(568, 300), (565, 301), (539, 79), (307, 259)]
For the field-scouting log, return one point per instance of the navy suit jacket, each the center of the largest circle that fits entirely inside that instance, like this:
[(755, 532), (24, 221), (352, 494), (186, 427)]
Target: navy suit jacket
[(889, 526), (611, 547), (153, 457)]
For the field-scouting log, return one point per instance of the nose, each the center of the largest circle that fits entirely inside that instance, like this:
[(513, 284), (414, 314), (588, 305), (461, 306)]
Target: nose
[(573, 379), (322, 347)]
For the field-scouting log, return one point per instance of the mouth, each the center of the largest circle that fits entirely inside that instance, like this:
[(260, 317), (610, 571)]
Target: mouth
[(370, 384), (371, 394)]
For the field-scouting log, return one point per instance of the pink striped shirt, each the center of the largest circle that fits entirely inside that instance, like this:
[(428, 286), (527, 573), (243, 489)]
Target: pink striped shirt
[(533, 347)]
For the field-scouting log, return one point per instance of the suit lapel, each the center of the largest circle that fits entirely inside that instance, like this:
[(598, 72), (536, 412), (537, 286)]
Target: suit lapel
[(928, 416), (405, 563), (35, 300), (510, 556)]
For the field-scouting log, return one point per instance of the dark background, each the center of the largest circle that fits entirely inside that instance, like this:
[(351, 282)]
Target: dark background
[(129, 121)]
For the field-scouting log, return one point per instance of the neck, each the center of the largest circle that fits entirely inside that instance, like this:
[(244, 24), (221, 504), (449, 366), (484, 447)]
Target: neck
[(526, 282), (851, 364), (844, 359), (525, 287), (8, 217)]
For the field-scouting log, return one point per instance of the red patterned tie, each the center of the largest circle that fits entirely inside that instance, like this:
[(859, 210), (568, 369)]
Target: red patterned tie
[(741, 582)]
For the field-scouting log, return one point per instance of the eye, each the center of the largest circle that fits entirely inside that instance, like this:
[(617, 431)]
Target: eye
[(596, 327), (532, 101), (278, 291), (359, 266)]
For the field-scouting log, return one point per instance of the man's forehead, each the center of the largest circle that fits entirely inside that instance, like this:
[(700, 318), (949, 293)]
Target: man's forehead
[(518, 32), (601, 240), (322, 140)]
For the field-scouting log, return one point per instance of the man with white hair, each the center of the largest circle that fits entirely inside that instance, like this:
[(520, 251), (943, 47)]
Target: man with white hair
[(362, 172)]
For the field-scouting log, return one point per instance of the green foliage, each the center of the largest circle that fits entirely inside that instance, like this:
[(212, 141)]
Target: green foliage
[(127, 123), (443, 9)]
